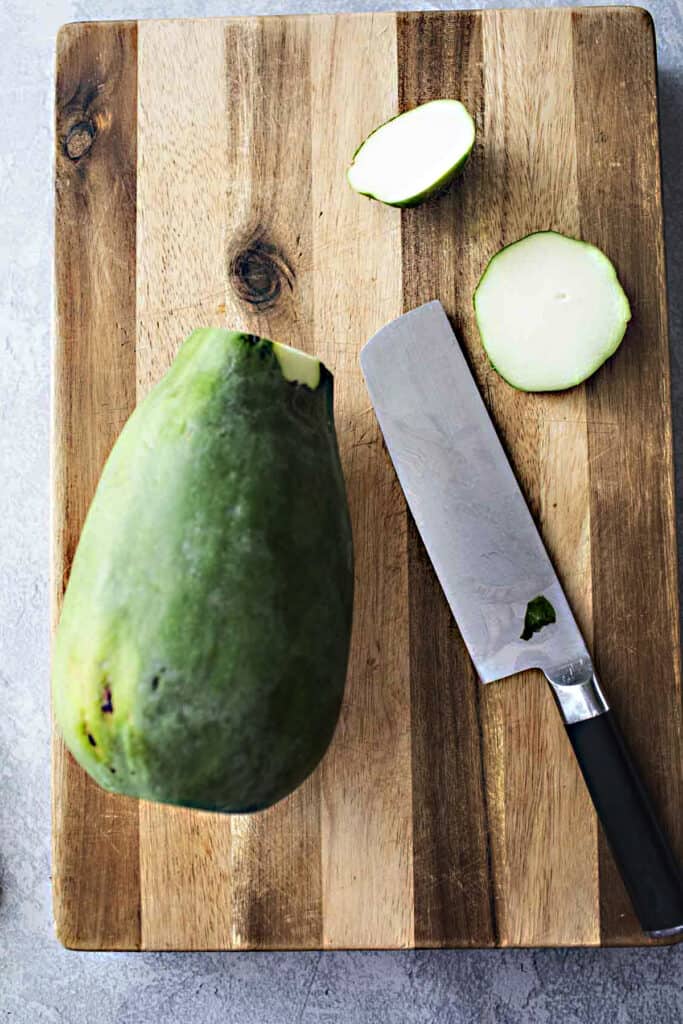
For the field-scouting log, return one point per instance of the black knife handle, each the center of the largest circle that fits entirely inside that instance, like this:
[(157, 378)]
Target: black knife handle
[(646, 861)]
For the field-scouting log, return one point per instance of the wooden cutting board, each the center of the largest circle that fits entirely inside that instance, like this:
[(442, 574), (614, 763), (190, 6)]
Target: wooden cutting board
[(200, 181)]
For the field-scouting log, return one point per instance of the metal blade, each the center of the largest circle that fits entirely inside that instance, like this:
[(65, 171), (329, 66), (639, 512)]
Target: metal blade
[(471, 514)]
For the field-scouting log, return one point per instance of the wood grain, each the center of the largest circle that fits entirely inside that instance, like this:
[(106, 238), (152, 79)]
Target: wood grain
[(367, 816), (277, 900), (454, 896), (544, 837), (200, 180), (633, 544), (95, 834), (182, 171)]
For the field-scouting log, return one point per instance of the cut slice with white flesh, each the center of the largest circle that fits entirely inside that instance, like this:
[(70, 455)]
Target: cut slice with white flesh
[(297, 366), (550, 310), (413, 155)]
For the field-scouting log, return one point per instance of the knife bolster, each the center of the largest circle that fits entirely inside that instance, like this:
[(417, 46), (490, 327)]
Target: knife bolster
[(577, 691)]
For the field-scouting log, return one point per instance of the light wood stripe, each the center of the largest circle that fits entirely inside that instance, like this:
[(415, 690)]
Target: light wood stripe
[(277, 895), (635, 595), (544, 838), (367, 811), (454, 902), (185, 856), (96, 883)]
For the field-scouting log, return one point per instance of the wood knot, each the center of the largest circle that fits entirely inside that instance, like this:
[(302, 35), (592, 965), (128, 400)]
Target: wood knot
[(258, 271), (79, 139)]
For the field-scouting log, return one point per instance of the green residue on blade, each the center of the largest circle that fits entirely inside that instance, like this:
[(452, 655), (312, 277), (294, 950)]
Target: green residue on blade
[(539, 613)]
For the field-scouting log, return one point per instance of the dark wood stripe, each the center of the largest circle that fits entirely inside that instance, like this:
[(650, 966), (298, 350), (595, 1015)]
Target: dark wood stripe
[(633, 545), (95, 221), (277, 884), (440, 56)]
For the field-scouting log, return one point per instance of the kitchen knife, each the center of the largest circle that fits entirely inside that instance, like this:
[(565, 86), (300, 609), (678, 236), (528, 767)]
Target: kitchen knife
[(495, 572)]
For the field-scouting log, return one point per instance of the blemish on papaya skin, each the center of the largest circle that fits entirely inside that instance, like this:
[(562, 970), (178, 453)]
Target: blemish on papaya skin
[(106, 706), (91, 740)]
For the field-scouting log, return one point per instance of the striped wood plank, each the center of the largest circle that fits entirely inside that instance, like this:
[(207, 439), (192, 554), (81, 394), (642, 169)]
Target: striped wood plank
[(200, 180)]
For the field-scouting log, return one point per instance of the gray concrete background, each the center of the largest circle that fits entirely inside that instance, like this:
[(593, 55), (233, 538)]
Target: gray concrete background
[(40, 981)]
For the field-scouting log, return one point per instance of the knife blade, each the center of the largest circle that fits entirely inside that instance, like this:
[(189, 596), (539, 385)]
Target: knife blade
[(492, 565), (467, 505)]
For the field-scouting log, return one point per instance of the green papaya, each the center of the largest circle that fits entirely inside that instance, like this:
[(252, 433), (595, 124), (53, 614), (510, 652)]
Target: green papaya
[(201, 652)]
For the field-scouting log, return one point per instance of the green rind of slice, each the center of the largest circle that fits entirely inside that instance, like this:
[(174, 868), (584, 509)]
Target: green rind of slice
[(513, 325)]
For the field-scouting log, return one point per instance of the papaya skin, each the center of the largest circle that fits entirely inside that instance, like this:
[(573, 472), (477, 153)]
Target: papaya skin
[(201, 653)]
